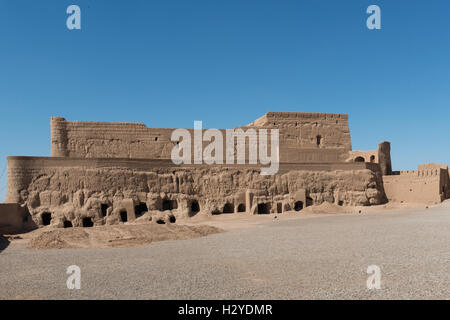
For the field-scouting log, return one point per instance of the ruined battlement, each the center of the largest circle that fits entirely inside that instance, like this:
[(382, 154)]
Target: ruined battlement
[(429, 184), (420, 173), (306, 117), (321, 137), (307, 129)]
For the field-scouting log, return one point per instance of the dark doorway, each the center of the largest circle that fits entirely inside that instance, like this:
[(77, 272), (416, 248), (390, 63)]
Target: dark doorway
[(309, 201), (241, 207), (318, 140), (104, 209), (263, 208), (160, 221), (140, 209), (372, 158), (195, 208), (67, 224), (298, 205), (87, 222), (228, 208), (279, 207), (46, 218), (360, 159), (123, 216), (340, 203), (169, 205), (172, 219)]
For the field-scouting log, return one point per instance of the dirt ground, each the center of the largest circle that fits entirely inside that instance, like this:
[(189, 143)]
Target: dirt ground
[(132, 235)]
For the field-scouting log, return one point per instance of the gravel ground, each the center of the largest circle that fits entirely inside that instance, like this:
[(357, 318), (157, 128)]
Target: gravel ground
[(322, 257)]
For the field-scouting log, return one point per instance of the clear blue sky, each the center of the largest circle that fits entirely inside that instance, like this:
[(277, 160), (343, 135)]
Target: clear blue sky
[(227, 62)]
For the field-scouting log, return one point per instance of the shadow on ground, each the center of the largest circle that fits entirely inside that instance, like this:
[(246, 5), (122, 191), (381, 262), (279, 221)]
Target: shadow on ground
[(4, 243)]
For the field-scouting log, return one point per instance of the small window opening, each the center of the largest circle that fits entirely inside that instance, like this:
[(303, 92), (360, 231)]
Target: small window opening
[(123, 216), (318, 140), (67, 224), (228, 208), (46, 218), (87, 222), (104, 209), (298, 205)]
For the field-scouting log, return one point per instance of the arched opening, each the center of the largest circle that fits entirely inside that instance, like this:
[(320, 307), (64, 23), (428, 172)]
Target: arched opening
[(67, 224), (309, 201), (319, 140), (263, 208), (372, 158), (340, 203), (87, 222), (169, 204), (298, 205), (172, 219), (123, 216), (140, 209), (195, 208), (360, 159), (104, 209), (279, 207), (46, 218), (160, 221), (241, 207), (228, 208)]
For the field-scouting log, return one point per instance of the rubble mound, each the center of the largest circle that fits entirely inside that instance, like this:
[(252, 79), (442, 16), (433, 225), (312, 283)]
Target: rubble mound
[(117, 236), (327, 207)]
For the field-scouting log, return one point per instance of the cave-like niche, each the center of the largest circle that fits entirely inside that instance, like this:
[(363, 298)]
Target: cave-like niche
[(298, 205), (195, 208), (140, 209), (46, 218), (169, 204), (228, 208), (87, 222), (263, 208)]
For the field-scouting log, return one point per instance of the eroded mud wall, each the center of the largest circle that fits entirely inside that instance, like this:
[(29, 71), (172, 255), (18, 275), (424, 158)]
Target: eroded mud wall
[(102, 190)]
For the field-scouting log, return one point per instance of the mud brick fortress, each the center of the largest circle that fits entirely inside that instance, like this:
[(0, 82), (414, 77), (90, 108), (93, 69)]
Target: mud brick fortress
[(108, 173)]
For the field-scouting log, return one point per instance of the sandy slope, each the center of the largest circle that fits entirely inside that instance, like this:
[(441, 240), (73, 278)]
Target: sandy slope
[(125, 235)]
